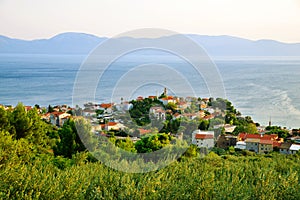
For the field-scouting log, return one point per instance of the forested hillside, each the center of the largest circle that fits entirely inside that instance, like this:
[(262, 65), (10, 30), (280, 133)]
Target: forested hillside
[(40, 161)]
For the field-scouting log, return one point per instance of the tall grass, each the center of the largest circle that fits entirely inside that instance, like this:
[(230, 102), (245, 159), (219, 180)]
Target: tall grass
[(212, 177)]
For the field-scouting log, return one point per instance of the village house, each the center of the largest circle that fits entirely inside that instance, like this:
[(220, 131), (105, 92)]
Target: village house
[(260, 143), (240, 145), (284, 148), (181, 105), (112, 126), (88, 112), (252, 144), (201, 114), (190, 115), (124, 106), (225, 141), (244, 136), (169, 99), (203, 139), (158, 112), (227, 127), (152, 97), (58, 118), (140, 98), (294, 139), (106, 107), (203, 105), (143, 131), (208, 117), (265, 146), (177, 116), (27, 108), (294, 148)]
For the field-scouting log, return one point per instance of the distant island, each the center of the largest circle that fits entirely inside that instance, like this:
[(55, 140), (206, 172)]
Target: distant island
[(81, 43)]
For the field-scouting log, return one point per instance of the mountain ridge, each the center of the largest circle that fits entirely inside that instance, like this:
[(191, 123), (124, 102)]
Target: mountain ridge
[(83, 43)]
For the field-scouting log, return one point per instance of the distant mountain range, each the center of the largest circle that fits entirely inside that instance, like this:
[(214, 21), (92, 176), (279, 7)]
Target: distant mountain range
[(81, 43)]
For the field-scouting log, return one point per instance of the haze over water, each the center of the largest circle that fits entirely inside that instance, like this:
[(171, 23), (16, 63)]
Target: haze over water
[(259, 87)]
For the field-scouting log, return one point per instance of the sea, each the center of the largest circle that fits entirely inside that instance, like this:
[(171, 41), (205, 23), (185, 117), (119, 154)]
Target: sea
[(265, 88)]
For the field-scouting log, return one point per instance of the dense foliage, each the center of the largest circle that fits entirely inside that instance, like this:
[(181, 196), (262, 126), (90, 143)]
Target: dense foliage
[(39, 161), (25, 175)]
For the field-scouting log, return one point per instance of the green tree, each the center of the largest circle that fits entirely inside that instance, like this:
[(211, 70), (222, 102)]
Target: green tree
[(4, 119), (248, 128), (21, 123), (191, 152), (126, 144), (152, 143), (203, 125), (70, 142), (50, 109), (282, 133)]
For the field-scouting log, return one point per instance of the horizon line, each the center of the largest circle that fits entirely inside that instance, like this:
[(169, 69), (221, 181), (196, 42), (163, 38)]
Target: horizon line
[(187, 34)]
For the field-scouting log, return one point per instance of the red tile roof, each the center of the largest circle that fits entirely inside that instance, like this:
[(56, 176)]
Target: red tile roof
[(106, 105), (56, 113), (27, 108), (266, 142), (139, 98), (244, 136), (276, 144), (204, 136), (111, 123), (176, 114), (168, 98)]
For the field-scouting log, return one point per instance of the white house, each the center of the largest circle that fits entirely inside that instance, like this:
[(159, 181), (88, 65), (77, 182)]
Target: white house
[(168, 99), (106, 107), (158, 112), (203, 139), (240, 145), (59, 118), (88, 113), (294, 148), (112, 126), (228, 128)]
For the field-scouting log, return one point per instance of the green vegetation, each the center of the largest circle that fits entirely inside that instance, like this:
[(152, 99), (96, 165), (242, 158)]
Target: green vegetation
[(39, 161), (140, 113), (283, 133)]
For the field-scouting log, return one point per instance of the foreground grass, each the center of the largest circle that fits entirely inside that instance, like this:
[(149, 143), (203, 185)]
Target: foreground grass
[(212, 177)]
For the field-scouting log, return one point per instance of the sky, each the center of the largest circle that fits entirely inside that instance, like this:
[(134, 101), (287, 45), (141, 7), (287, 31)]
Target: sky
[(251, 19)]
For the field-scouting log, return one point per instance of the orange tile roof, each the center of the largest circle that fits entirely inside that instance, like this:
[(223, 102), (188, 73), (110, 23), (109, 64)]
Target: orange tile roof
[(106, 105), (266, 142), (144, 131), (57, 113), (276, 144), (140, 98), (168, 98), (112, 123), (244, 136), (176, 114), (204, 136), (28, 108)]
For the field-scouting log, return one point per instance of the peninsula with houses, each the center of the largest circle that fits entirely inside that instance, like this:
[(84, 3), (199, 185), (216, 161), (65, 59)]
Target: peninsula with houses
[(210, 124)]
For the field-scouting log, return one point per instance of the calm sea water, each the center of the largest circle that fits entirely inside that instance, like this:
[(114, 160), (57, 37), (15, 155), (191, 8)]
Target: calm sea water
[(259, 87)]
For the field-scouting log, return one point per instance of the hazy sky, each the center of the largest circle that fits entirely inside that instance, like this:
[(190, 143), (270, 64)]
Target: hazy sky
[(253, 19)]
